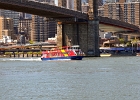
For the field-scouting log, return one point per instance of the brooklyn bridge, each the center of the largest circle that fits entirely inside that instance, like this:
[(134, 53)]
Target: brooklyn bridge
[(73, 26)]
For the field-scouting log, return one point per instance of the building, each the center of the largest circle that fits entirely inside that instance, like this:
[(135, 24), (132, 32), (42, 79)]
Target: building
[(25, 16), (111, 1), (70, 4), (121, 1), (11, 14), (127, 11), (24, 28), (6, 28), (100, 2), (123, 10), (42, 29), (85, 5)]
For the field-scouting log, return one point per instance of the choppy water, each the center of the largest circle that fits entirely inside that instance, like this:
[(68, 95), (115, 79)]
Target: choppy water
[(109, 78)]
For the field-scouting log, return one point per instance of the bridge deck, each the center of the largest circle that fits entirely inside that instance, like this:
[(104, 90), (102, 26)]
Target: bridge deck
[(51, 11), (41, 9)]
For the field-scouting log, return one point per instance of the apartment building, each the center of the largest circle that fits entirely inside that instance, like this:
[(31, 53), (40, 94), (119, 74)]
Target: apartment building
[(6, 27), (42, 29), (85, 5), (11, 14), (24, 28), (124, 11), (100, 2)]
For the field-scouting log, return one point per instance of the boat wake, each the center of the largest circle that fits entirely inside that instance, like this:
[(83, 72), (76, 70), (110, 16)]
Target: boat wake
[(25, 59)]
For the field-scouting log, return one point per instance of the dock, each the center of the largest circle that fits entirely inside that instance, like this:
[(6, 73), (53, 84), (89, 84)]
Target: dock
[(30, 50)]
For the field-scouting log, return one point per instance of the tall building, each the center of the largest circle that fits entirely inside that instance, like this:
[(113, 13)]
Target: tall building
[(100, 2), (121, 1), (127, 11), (42, 28), (36, 29), (25, 16), (24, 28), (70, 4), (11, 14), (131, 0), (6, 27), (85, 5)]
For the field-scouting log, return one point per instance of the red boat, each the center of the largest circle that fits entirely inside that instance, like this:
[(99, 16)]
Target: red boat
[(64, 53)]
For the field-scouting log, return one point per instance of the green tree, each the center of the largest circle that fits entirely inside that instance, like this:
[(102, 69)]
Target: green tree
[(31, 42), (128, 44), (122, 41)]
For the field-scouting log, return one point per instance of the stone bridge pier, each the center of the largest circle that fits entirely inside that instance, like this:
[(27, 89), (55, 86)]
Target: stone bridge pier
[(72, 34), (85, 34)]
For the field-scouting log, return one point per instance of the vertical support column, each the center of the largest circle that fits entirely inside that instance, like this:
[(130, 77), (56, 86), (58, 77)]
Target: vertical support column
[(77, 5), (93, 29), (75, 34), (59, 34), (83, 37), (62, 3), (68, 35)]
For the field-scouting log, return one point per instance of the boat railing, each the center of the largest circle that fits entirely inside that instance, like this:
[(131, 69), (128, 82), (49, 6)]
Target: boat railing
[(64, 51)]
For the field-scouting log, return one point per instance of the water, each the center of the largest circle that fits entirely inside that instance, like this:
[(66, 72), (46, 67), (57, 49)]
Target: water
[(109, 78)]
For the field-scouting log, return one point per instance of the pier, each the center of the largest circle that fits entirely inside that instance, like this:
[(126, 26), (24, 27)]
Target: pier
[(25, 50)]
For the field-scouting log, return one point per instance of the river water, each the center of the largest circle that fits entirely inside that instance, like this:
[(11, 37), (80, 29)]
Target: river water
[(103, 78)]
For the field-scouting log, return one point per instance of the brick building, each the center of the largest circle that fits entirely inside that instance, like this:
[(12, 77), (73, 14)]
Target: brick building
[(122, 10), (6, 27), (24, 28), (42, 29)]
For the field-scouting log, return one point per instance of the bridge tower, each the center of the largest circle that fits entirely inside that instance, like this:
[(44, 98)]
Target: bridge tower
[(60, 26), (93, 29), (83, 33), (67, 31)]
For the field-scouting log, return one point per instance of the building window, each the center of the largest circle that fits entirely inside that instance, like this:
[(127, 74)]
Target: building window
[(133, 20), (117, 11), (132, 6), (132, 16), (125, 13)]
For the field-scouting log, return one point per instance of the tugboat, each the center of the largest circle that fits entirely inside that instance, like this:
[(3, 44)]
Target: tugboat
[(64, 53)]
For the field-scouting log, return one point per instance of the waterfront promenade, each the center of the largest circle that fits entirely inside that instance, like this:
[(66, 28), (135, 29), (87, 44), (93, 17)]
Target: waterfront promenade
[(30, 50)]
